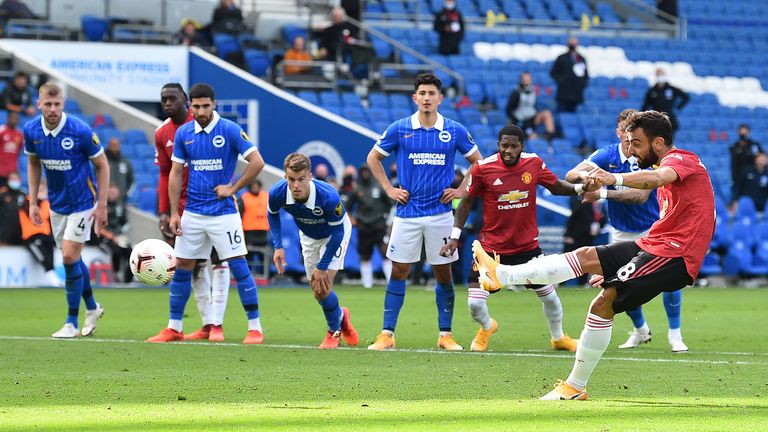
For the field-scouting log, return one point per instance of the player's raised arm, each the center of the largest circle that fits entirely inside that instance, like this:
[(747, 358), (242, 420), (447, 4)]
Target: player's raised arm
[(636, 180)]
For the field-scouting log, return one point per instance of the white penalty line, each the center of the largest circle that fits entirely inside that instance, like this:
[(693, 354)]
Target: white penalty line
[(406, 350)]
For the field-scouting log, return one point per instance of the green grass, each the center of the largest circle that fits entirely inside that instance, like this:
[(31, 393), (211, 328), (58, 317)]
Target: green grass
[(114, 382)]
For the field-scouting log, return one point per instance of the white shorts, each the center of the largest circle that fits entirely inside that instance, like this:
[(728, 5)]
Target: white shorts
[(408, 234), (199, 233), (313, 249), (620, 236), (74, 227)]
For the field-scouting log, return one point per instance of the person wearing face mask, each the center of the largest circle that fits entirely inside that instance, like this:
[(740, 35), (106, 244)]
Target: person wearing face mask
[(38, 239), (120, 169), (11, 198), (754, 182), (665, 98), (449, 24), (570, 73), (522, 112), (112, 238), (369, 207), (743, 154), (11, 143)]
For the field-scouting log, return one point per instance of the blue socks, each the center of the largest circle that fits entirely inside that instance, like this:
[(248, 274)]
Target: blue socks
[(393, 302), (444, 297), (638, 320), (181, 288), (332, 311), (90, 302), (74, 289), (673, 305), (246, 287)]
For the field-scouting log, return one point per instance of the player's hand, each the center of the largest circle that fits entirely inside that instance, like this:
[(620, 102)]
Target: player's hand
[(398, 194), (450, 194), (590, 197), (174, 225), (34, 214), (224, 191), (320, 283), (600, 177), (163, 225), (590, 183), (279, 259), (449, 248), (100, 218), (596, 280)]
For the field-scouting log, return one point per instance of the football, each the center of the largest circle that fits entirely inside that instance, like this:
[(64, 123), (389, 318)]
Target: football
[(153, 262)]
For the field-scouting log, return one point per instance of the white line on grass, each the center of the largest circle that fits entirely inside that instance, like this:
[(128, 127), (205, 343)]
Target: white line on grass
[(407, 350)]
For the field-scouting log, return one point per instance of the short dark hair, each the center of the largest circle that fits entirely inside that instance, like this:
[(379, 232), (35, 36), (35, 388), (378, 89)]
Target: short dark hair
[(176, 86), (297, 162), (745, 126), (20, 74), (512, 130), (654, 124), (427, 79), (201, 90)]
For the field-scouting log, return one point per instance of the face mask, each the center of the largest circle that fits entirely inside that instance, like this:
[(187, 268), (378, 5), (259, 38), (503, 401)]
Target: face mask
[(14, 184), (348, 180), (571, 47), (662, 79), (450, 6), (743, 137)]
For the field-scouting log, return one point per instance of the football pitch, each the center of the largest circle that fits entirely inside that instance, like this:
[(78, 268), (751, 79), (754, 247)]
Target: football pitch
[(113, 381)]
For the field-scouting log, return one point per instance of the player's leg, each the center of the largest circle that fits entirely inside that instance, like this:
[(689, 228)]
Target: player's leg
[(226, 233), (201, 288), (673, 303), (437, 229), (220, 279), (405, 243), (365, 243), (553, 312), (640, 333), (477, 301), (190, 247)]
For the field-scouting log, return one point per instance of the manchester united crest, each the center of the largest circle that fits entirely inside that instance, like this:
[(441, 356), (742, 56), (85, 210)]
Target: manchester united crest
[(527, 177)]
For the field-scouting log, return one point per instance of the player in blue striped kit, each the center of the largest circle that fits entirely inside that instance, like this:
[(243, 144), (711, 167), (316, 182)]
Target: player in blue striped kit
[(631, 212), (426, 144), (210, 146), (324, 230), (64, 146)]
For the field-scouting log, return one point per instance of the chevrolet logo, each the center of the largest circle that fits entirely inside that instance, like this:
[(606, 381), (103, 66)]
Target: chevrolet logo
[(513, 196)]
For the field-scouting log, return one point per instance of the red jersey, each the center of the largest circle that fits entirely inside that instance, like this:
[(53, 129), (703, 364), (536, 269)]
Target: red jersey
[(509, 201), (686, 213), (11, 143), (164, 136)]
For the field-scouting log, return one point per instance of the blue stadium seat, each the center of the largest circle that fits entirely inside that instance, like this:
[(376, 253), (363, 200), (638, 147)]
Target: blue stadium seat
[(258, 62), (94, 28), (225, 44), (746, 212), (148, 199)]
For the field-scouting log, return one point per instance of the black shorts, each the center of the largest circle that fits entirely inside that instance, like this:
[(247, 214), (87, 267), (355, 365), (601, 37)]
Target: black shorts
[(639, 276), (516, 259), (369, 237)]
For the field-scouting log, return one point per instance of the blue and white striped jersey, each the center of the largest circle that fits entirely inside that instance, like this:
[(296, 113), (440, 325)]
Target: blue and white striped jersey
[(211, 154), (425, 160), (318, 217)]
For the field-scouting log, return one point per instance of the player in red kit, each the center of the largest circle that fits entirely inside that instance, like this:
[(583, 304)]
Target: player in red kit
[(506, 182), (633, 272), (211, 291), (11, 143)]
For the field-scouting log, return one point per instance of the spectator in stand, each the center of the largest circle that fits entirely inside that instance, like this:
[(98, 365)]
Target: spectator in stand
[(522, 112), (15, 9), (190, 34), (253, 209), (348, 183), (11, 142), (11, 199), (571, 76), (17, 97), (227, 18), (323, 174), (120, 169), (39, 239), (113, 238), (665, 98), (449, 24), (582, 227), (743, 153), (297, 52), (754, 183), (333, 39)]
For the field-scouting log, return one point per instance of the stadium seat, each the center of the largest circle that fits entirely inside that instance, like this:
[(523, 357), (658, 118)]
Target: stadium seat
[(94, 28), (225, 44)]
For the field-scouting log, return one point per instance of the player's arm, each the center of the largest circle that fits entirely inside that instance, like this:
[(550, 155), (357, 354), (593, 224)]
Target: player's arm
[(275, 231), (377, 169), (645, 179), (34, 173), (175, 179), (255, 165), (450, 194), (101, 165), (459, 220), (626, 196), (572, 176)]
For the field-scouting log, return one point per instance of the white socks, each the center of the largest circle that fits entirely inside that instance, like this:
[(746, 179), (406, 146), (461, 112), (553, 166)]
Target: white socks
[(219, 293), (175, 324), (545, 270), (644, 329), (553, 310), (674, 334), (201, 287), (254, 324), (478, 306), (592, 344), (366, 274)]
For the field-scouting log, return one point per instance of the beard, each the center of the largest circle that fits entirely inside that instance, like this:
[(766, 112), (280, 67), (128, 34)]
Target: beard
[(648, 161)]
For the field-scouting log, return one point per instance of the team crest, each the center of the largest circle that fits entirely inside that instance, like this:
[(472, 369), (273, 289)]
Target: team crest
[(95, 140), (244, 135), (469, 137), (527, 177), (339, 209), (444, 136), (67, 143), (218, 141), (317, 211)]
